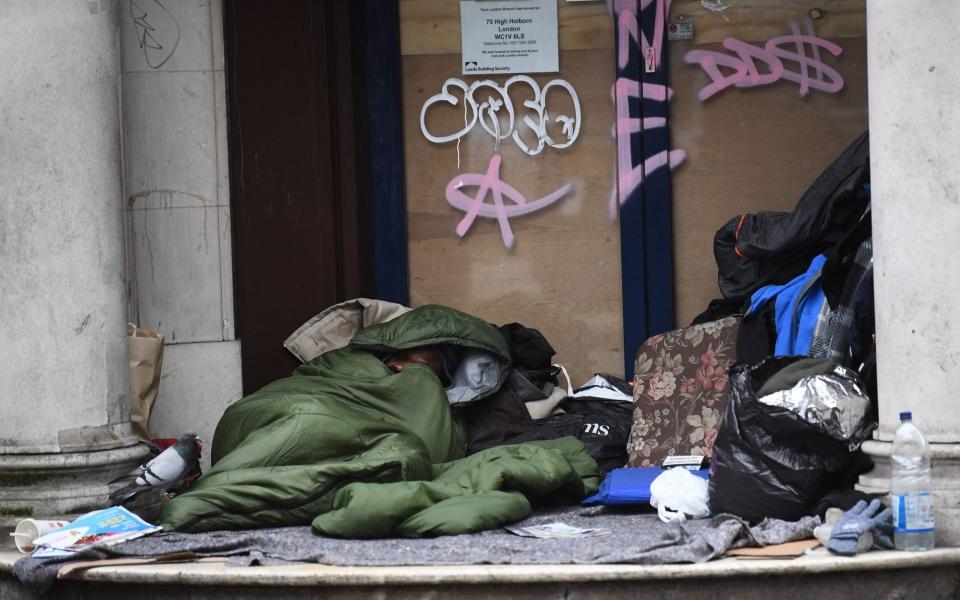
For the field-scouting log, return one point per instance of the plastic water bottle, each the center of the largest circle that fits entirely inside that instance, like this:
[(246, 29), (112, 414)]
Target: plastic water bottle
[(910, 495)]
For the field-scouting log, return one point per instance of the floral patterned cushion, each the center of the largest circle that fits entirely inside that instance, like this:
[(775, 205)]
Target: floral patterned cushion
[(680, 384)]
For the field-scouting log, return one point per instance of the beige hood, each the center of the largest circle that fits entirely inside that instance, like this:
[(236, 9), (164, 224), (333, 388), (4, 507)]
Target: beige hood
[(335, 326)]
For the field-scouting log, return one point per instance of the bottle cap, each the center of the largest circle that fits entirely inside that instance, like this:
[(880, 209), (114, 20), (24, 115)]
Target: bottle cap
[(906, 415)]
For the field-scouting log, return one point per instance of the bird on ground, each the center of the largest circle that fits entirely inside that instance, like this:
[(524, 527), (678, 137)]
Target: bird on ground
[(164, 471)]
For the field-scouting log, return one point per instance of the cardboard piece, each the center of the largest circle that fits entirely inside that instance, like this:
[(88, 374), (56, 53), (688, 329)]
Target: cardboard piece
[(788, 550), (177, 557)]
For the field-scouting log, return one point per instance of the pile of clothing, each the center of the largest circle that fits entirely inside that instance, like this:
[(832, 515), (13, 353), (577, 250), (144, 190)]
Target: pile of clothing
[(775, 382), (803, 391)]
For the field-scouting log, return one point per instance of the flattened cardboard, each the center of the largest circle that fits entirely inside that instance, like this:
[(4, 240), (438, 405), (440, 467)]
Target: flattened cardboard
[(788, 550)]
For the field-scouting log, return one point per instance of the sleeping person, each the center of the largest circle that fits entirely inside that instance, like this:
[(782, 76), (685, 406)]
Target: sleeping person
[(367, 440)]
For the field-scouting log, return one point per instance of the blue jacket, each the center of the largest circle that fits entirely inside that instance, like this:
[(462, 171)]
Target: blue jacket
[(795, 312)]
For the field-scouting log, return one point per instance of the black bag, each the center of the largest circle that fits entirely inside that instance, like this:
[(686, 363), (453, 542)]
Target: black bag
[(602, 424), (605, 428), (753, 250), (767, 460)]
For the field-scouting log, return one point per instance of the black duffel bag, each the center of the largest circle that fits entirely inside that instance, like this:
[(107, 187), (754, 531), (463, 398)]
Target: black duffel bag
[(770, 462)]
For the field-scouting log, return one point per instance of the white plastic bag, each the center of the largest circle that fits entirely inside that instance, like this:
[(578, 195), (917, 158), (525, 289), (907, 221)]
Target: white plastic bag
[(678, 493)]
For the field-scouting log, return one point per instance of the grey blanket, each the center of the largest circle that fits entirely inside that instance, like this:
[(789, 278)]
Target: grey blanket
[(633, 538)]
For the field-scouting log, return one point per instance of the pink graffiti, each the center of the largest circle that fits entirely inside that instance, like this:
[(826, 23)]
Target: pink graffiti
[(629, 28), (491, 182), (746, 74), (630, 176)]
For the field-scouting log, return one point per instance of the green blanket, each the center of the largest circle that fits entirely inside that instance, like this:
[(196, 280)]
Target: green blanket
[(295, 451)]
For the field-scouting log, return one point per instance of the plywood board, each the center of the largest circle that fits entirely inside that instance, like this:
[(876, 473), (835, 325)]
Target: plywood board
[(752, 20), (563, 274), (433, 26)]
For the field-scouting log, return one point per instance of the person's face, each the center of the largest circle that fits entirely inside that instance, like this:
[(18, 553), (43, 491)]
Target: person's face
[(425, 355)]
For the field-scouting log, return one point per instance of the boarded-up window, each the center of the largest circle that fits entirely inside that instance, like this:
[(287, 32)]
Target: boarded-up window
[(756, 143)]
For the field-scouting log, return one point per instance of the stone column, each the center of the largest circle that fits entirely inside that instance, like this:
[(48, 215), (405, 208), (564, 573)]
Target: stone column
[(915, 171), (64, 383)]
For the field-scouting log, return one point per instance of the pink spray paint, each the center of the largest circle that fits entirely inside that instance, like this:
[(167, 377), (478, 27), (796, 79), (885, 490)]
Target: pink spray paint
[(745, 72), (630, 175), (490, 182)]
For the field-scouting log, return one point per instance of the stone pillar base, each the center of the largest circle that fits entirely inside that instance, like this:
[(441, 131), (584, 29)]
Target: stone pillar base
[(62, 483), (945, 462)]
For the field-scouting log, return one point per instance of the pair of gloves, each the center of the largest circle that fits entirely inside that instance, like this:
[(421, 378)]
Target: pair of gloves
[(861, 528)]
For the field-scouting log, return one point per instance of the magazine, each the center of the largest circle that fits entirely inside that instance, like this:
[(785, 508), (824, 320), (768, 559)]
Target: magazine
[(557, 530), (100, 527)]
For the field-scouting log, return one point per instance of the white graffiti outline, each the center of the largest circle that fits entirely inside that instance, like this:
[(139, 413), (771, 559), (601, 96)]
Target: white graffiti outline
[(487, 112)]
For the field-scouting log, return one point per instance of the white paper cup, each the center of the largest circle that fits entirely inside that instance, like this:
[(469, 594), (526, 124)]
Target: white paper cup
[(30, 529)]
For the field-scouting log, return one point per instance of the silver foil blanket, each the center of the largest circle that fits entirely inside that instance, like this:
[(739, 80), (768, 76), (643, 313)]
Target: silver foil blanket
[(832, 401)]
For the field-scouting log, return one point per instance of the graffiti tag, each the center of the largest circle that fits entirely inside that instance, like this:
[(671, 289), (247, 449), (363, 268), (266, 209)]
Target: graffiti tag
[(745, 72), (491, 183), (628, 91), (490, 104), (158, 39)]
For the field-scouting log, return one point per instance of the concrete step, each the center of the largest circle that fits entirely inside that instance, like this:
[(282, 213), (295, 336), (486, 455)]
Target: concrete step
[(819, 575)]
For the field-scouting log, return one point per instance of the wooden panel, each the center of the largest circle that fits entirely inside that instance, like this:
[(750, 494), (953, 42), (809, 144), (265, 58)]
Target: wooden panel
[(433, 26), (563, 274), (752, 20), (750, 150)]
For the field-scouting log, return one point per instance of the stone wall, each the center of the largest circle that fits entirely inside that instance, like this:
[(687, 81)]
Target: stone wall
[(177, 205)]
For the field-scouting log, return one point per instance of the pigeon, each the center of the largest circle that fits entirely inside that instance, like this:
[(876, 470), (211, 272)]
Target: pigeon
[(166, 470)]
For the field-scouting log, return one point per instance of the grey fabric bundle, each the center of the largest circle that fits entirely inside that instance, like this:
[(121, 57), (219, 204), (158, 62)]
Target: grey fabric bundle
[(634, 538)]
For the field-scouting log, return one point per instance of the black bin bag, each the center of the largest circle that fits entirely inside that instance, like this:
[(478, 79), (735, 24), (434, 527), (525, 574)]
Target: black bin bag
[(768, 461)]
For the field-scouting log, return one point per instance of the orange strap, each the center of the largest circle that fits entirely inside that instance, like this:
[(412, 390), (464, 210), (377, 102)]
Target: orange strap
[(736, 236)]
